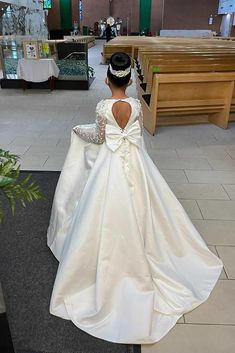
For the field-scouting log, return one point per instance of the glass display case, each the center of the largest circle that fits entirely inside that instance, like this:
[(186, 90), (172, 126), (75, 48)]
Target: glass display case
[(71, 59), (10, 52)]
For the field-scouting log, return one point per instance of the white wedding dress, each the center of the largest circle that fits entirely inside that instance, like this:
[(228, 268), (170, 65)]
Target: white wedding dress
[(131, 263)]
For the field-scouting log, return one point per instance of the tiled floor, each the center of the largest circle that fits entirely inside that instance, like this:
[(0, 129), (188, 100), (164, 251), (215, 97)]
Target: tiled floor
[(197, 161)]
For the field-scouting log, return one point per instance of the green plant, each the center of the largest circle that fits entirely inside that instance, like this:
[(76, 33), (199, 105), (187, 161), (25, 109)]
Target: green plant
[(12, 187)]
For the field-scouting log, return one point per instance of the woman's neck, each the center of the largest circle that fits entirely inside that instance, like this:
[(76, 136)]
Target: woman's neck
[(119, 93)]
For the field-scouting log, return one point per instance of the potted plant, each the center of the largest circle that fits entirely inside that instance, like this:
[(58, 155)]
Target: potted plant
[(12, 187)]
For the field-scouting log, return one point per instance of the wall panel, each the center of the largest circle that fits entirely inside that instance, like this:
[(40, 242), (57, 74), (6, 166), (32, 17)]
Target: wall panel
[(172, 14), (190, 14)]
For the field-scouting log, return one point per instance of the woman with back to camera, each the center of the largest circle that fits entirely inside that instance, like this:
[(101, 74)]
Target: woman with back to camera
[(108, 33), (131, 261)]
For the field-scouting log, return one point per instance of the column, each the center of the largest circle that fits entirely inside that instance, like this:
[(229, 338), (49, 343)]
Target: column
[(145, 15), (66, 14)]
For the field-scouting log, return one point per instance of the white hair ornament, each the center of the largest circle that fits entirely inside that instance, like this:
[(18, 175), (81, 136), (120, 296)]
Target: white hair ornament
[(119, 73)]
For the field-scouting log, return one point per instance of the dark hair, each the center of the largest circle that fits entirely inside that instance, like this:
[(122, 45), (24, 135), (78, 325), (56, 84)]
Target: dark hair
[(119, 61)]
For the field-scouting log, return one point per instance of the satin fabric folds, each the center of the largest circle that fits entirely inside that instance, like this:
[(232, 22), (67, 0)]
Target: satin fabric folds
[(131, 263)]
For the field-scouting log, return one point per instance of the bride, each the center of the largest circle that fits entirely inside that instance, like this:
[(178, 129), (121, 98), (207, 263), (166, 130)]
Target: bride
[(131, 263)]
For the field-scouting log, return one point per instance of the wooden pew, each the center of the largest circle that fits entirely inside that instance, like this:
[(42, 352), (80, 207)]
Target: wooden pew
[(146, 56), (222, 62), (187, 55), (131, 44), (145, 52), (205, 64), (232, 108), (189, 58), (185, 99)]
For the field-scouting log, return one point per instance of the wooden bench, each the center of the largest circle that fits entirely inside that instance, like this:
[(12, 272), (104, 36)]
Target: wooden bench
[(187, 99), (232, 108), (193, 64), (145, 53), (181, 80), (132, 44), (221, 62), (186, 55)]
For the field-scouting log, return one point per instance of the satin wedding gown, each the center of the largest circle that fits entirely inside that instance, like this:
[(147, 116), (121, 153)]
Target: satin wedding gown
[(131, 263)]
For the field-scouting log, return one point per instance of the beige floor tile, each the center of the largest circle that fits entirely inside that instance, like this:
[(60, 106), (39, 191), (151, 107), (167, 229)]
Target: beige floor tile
[(230, 189), (190, 152), (164, 152), (51, 167), (33, 160), (48, 149), (219, 164), (224, 210), (4, 146), (227, 255), (231, 152), (21, 140), (54, 163), (216, 149), (219, 308), (206, 141), (191, 208), (6, 140), (64, 143), (210, 176), (161, 140), (182, 163), (195, 339), (20, 150), (213, 249), (216, 232), (210, 152), (172, 175), (181, 320), (31, 167), (199, 191), (225, 139)]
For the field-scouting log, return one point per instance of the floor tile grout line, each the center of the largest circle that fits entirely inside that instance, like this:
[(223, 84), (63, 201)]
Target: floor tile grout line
[(228, 246), (226, 190), (199, 209), (186, 176), (223, 263)]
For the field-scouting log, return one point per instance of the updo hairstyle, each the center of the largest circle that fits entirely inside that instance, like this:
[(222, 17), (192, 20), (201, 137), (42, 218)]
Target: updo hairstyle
[(119, 62)]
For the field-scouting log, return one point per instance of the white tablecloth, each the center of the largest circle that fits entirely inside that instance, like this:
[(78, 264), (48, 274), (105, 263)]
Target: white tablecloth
[(37, 70)]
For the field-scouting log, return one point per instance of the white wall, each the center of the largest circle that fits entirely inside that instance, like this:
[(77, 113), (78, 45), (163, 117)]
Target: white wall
[(226, 25), (32, 4)]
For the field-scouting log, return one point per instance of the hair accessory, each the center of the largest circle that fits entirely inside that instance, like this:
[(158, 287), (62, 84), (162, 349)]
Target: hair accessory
[(119, 73)]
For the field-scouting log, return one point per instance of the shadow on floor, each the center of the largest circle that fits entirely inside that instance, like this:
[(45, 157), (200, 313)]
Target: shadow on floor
[(6, 345)]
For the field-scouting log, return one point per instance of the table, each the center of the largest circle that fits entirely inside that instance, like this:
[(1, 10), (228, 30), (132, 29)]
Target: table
[(39, 70)]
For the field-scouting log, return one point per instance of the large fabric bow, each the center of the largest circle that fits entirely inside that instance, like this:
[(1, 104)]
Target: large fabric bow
[(115, 135)]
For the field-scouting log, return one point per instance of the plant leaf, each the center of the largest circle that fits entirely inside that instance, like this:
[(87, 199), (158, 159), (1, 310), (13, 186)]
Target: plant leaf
[(5, 180)]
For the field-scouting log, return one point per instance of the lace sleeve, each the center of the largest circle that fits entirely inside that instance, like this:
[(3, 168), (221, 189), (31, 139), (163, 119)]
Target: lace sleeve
[(140, 116), (94, 133)]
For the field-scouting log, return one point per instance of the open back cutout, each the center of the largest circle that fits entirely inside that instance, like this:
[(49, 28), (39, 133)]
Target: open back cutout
[(121, 112)]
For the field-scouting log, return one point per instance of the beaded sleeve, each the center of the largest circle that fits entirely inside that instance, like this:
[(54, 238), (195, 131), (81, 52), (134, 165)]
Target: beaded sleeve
[(94, 133)]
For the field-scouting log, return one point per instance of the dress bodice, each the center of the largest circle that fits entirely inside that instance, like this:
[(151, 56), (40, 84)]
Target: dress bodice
[(106, 126), (104, 109)]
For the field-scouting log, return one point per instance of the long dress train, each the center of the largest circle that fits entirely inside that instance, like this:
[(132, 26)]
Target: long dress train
[(131, 263)]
